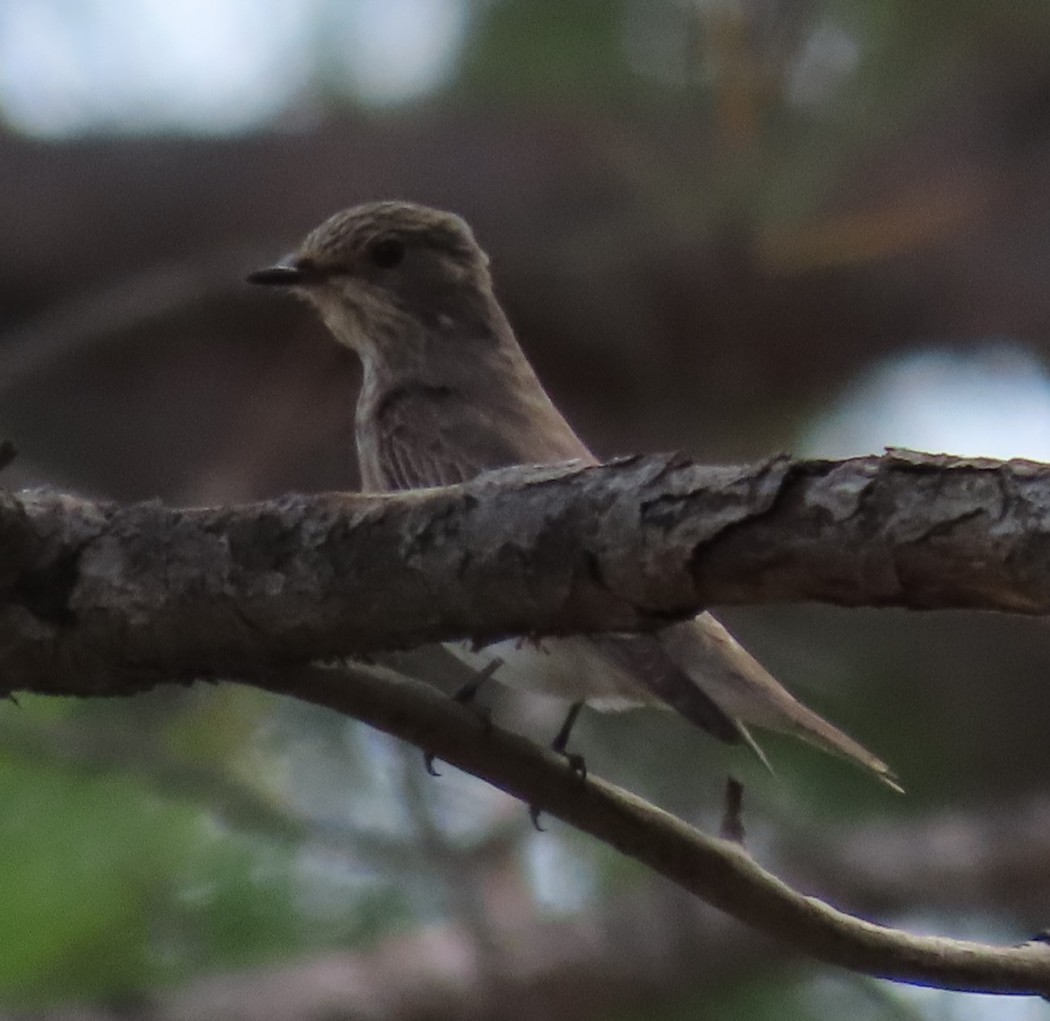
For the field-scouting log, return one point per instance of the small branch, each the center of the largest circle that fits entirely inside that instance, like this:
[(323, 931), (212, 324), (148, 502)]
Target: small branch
[(98, 598), (718, 871)]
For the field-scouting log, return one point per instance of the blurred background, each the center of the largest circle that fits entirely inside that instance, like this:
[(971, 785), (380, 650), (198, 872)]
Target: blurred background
[(728, 227)]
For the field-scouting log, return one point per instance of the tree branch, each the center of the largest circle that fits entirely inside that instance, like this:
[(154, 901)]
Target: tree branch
[(100, 598), (718, 871)]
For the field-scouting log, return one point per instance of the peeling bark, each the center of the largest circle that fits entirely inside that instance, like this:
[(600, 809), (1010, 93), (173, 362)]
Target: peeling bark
[(99, 597)]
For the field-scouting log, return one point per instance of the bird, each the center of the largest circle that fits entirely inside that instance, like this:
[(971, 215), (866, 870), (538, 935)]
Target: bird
[(447, 393)]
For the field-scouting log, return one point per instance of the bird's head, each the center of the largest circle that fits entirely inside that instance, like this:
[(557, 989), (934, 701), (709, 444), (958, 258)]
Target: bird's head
[(385, 271)]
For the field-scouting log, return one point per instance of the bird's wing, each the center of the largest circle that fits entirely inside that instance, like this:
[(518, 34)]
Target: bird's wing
[(422, 435), (413, 454), (608, 672), (647, 661), (742, 688)]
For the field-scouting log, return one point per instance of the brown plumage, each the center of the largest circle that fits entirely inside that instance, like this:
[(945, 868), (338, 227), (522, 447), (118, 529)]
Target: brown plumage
[(447, 394)]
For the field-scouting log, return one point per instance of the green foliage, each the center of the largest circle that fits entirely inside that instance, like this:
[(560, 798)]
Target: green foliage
[(107, 890), (117, 875)]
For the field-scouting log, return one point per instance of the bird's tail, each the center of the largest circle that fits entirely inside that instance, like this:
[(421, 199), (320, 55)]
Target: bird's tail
[(753, 746), (807, 725), (745, 690)]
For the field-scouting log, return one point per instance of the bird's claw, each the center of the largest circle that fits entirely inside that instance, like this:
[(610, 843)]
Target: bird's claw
[(577, 765), (465, 697), (732, 827)]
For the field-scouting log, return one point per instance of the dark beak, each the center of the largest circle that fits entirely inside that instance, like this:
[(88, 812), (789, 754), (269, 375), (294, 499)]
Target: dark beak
[(286, 273)]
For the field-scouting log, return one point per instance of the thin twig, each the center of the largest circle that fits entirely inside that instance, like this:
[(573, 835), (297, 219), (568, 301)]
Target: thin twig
[(718, 871)]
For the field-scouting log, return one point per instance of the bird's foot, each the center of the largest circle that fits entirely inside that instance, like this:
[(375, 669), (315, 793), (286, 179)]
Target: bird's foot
[(732, 827), (465, 696), (577, 763)]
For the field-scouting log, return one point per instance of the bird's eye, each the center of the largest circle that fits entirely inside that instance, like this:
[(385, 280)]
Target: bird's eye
[(387, 253)]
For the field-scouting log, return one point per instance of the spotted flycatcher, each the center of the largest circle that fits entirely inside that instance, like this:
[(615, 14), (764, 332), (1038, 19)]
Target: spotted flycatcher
[(447, 394)]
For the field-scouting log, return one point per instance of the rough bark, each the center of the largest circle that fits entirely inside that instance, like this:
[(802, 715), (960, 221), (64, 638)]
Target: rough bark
[(100, 598)]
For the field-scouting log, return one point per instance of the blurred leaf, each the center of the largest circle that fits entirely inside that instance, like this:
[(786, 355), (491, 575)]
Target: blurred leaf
[(109, 890)]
